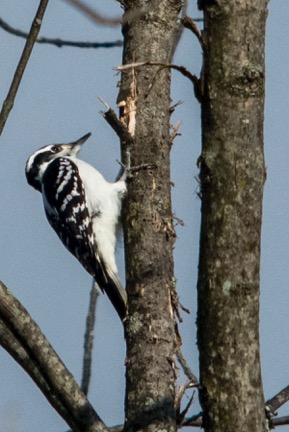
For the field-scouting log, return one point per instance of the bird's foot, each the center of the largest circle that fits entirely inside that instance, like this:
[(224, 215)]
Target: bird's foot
[(127, 170)]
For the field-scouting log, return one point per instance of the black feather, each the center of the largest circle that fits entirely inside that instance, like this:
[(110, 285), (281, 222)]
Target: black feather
[(69, 216)]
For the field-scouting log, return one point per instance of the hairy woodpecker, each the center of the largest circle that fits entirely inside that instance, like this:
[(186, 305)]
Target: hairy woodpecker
[(83, 209)]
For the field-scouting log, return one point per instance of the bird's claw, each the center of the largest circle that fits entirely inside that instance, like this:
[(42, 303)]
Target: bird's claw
[(127, 170)]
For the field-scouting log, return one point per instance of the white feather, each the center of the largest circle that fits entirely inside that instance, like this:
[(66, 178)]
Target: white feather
[(104, 203)]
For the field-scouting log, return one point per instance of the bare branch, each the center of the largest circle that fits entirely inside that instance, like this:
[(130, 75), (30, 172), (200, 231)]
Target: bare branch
[(35, 28), (193, 78), (59, 43), (278, 400), (9, 342), (180, 222), (280, 421), (103, 20), (186, 369), (188, 23), (119, 128), (94, 15), (25, 342), (175, 131), (194, 421), (181, 416), (180, 28), (88, 339)]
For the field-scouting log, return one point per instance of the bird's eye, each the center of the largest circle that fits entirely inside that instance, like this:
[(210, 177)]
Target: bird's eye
[(55, 149)]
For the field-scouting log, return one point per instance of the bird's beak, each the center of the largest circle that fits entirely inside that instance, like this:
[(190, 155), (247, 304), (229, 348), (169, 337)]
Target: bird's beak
[(76, 145)]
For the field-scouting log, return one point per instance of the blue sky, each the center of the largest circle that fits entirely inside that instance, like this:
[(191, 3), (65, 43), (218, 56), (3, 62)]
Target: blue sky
[(57, 102)]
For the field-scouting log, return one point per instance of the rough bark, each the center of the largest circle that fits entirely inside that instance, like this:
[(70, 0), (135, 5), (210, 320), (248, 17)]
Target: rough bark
[(232, 177), (144, 100)]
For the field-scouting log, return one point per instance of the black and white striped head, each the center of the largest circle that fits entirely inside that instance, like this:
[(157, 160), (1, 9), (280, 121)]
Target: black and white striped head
[(38, 162)]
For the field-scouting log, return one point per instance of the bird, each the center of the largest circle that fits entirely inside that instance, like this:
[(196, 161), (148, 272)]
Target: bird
[(83, 209)]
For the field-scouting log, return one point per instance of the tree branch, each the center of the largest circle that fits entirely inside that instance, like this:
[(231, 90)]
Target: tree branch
[(20, 355), (88, 339), (194, 421), (278, 400), (180, 28), (280, 421), (9, 101), (94, 15), (25, 342), (59, 42), (119, 128), (186, 369), (188, 23), (99, 19), (193, 78)]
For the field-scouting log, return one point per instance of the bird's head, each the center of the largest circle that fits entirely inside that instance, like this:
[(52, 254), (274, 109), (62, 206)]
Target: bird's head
[(38, 162)]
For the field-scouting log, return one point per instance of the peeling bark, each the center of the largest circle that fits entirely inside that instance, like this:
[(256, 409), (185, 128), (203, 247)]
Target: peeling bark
[(232, 177), (144, 101)]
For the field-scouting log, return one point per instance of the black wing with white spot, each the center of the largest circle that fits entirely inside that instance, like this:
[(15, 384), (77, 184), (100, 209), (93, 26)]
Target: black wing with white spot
[(67, 212)]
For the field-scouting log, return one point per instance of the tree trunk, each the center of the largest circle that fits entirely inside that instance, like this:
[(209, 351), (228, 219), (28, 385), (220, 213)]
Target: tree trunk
[(232, 177), (144, 100)]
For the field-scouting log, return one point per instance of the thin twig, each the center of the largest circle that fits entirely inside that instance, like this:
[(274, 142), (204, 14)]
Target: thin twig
[(59, 43), (194, 421), (25, 342), (188, 23), (106, 21), (179, 222), (179, 29), (174, 106), (94, 15), (186, 369), (182, 415), (35, 28), (100, 19), (193, 78), (88, 339), (175, 131)]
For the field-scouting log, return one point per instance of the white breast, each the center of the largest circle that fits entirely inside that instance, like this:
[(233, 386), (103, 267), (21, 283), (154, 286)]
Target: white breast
[(104, 204)]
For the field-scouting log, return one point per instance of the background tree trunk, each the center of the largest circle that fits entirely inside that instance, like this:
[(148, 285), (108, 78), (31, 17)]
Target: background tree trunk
[(144, 99), (232, 178)]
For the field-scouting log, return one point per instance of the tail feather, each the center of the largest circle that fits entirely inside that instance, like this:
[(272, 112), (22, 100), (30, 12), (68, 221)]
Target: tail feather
[(115, 292)]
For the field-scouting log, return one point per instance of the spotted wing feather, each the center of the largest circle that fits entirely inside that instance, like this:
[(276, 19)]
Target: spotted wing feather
[(68, 214)]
